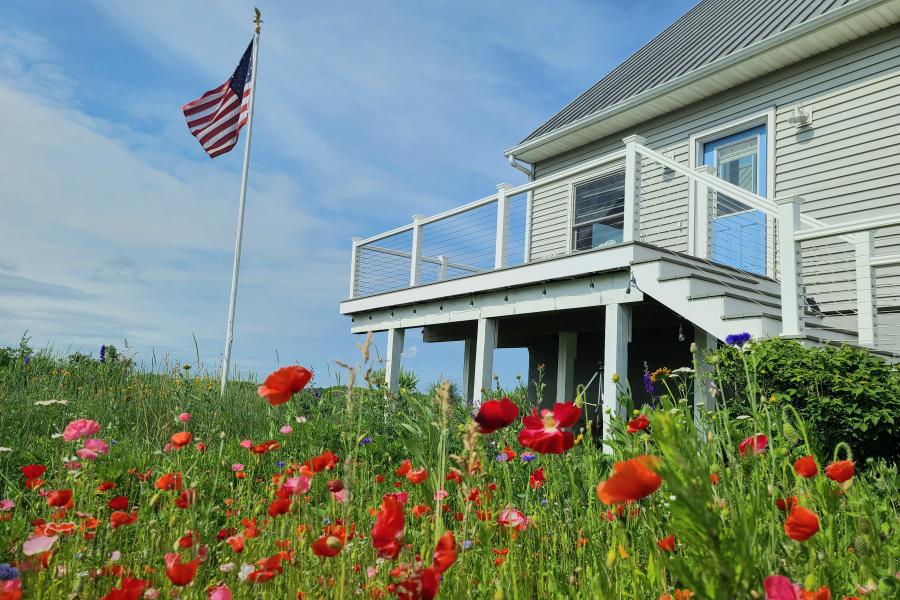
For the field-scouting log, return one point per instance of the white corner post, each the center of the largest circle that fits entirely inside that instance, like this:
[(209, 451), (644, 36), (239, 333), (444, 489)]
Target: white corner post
[(865, 287), (792, 301), (442, 267), (392, 363), (485, 344), (468, 381), (354, 259), (699, 215), (617, 335), (565, 366), (500, 252), (631, 222), (415, 266), (529, 206), (703, 401)]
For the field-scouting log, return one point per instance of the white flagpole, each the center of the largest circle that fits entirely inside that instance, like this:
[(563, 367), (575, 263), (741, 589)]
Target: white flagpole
[(229, 333)]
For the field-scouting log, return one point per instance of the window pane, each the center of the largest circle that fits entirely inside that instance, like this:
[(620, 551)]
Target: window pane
[(595, 235), (600, 198)]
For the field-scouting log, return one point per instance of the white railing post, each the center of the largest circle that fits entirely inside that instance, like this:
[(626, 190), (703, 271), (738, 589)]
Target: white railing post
[(529, 204), (442, 267), (502, 226), (865, 288), (415, 269), (631, 223), (792, 302), (699, 215), (354, 255)]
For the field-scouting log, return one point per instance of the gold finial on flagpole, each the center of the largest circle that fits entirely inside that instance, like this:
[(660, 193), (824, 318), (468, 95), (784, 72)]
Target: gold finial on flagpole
[(257, 20)]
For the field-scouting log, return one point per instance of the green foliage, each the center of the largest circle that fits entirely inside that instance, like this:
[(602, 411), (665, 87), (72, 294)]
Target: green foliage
[(845, 394)]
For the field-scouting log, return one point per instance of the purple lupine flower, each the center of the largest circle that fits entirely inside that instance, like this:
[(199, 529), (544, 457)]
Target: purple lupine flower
[(25, 360), (648, 383), (737, 339), (365, 441), (103, 353)]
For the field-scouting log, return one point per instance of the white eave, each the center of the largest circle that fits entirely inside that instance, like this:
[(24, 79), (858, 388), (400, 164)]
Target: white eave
[(818, 35)]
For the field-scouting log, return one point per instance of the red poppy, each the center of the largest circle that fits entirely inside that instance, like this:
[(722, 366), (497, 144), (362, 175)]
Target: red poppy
[(387, 532), (755, 444), (509, 453), (191, 538), (420, 509), (119, 518), (326, 461), (840, 471), (169, 481), (106, 486), (806, 466), (639, 423), (417, 475), (801, 524), (129, 589), (537, 478), (60, 498), (264, 447), (284, 383), (180, 573), (496, 414), (236, 542), (182, 438), (545, 433), (444, 553), (279, 506), (421, 585), (667, 544), (786, 504), (118, 503), (404, 468), (331, 542), (714, 478), (186, 498), (631, 480), (33, 471)]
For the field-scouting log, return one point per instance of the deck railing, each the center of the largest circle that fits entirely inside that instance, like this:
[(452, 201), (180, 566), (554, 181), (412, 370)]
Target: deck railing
[(839, 261)]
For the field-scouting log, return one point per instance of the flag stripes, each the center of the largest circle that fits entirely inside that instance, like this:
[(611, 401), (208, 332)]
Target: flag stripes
[(216, 117)]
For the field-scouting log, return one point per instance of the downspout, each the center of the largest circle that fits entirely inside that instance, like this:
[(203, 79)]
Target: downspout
[(529, 171)]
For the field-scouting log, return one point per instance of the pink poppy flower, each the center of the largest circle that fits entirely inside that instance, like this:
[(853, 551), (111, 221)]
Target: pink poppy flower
[(510, 517), (548, 432), (246, 444), (38, 544), (92, 449), (296, 485), (184, 417), (80, 428), (286, 429)]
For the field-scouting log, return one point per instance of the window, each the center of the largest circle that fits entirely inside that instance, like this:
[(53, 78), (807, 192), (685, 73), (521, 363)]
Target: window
[(599, 210)]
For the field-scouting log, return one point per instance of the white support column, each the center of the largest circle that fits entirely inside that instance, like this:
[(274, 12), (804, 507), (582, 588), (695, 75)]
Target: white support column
[(565, 366), (392, 363), (485, 344), (415, 269), (502, 226), (529, 205), (631, 228), (468, 380), (699, 217), (615, 361), (865, 287), (442, 267), (354, 258), (789, 260), (703, 401)]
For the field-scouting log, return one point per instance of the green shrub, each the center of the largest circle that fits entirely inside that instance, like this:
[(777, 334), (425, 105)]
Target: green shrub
[(844, 393)]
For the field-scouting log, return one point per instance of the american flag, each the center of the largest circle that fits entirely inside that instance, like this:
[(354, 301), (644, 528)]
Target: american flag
[(216, 117)]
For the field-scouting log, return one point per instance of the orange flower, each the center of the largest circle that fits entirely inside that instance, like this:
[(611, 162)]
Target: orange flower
[(284, 383), (119, 518), (169, 481), (806, 466), (714, 478), (631, 480), (801, 525), (667, 544), (840, 471), (182, 438), (417, 475)]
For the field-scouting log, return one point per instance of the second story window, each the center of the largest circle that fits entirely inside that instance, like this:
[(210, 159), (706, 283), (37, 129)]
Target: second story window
[(599, 209)]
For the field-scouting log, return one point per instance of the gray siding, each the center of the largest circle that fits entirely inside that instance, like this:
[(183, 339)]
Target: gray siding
[(846, 166)]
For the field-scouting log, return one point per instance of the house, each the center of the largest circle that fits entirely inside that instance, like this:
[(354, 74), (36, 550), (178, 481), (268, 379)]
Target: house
[(739, 173)]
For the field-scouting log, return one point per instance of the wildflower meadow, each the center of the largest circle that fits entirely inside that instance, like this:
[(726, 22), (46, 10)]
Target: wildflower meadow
[(120, 482)]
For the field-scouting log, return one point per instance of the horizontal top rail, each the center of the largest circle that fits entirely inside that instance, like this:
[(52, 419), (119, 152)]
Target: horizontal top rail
[(381, 236), (839, 229)]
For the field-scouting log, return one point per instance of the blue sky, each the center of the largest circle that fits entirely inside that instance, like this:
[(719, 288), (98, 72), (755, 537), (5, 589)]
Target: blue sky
[(115, 225)]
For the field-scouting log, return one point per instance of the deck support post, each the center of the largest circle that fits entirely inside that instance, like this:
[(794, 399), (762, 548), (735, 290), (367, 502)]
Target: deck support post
[(631, 222), (468, 380), (392, 363), (792, 302), (865, 288), (485, 343), (565, 366), (617, 335), (500, 251), (703, 375)]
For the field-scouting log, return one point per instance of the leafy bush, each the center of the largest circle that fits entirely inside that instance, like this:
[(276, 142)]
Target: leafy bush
[(844, 393)]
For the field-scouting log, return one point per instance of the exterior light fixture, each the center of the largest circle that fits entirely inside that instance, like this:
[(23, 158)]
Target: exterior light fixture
[(800, 116)]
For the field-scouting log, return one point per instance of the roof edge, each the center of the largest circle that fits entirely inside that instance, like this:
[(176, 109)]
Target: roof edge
[(704, 71)]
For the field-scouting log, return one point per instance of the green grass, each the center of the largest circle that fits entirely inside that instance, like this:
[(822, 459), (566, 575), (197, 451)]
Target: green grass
[(730, 536)]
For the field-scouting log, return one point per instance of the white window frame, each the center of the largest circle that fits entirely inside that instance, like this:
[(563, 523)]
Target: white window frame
[(601, 172), (695, 157)]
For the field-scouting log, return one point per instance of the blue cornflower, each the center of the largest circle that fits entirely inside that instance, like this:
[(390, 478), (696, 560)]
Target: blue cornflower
[(366, 440), (25, 360), (466, 544), (528, 456), (280, 464), (502, 457), (544, 502), (103, 353), (8, 572), (326, 521), (738, 339)]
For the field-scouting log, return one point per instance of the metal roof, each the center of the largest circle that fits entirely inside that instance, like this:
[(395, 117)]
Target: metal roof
[(708, 32)]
